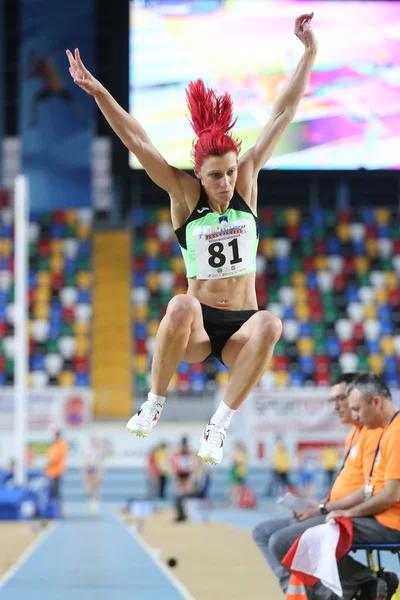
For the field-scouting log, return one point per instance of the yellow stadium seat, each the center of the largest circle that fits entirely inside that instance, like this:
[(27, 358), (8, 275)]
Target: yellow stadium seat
[(30, 328), (82, 345), (177, 264), (382, 216), (282, 379), (392, 280), (66, 378), (376, 363), (179, 290), (42, 294), (140, 312), (306, 346), (163, 215), (321, 263), (381, 295), (140, 364), (301, 295), (387, 345), (152, 282), (70, 217), (299, 279), (293, 216), (5, 247), (369, 311), (173, 384), (222, 378), (152, 247), (41, 310), (343, 232), (372, 247), (268, 247), (361, 265), (83, 232), (81, 328), (43, 279), (303, 312), (56, 263), (56, 247), (153, 328), (84, 280)]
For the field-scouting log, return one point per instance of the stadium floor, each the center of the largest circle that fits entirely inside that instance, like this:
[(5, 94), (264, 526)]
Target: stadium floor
[(103, 557)]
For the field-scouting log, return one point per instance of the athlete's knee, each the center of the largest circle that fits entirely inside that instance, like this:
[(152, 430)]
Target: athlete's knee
[(181, 309), (270, 327)]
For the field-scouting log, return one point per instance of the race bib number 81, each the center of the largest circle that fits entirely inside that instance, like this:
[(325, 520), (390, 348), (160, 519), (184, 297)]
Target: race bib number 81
[(223, 250)]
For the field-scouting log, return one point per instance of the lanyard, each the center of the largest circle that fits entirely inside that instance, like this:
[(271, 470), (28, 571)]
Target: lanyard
[(379, 444), (357, 430)]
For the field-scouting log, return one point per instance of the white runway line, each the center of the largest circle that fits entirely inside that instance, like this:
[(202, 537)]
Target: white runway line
[(149, 551), (26, 554)]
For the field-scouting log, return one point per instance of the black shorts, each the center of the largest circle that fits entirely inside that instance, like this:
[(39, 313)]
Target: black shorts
[(220, 325)]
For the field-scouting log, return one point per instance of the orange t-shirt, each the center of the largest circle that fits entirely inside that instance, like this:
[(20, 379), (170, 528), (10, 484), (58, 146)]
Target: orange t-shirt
[(56, 457), (387, 466), (358, 462)]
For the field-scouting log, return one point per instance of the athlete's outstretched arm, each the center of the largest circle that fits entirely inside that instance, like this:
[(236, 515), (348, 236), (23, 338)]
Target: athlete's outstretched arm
[(287, 102), (128, 129)]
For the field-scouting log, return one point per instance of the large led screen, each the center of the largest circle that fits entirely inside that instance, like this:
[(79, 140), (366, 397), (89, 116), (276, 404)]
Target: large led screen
[(349, 117)]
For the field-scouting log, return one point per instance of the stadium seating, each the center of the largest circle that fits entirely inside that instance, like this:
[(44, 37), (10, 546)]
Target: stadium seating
[(331, 276), (59, 296)]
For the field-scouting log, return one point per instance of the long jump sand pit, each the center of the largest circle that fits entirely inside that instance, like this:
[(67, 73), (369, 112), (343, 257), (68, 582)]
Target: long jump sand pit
[(214, 560), (15, 538)]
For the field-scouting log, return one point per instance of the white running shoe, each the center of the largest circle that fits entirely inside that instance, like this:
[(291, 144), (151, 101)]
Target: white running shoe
[(211, 444), (145, 419)]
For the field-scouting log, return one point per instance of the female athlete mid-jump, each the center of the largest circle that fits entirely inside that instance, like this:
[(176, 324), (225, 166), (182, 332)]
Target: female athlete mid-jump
[(214, 218)]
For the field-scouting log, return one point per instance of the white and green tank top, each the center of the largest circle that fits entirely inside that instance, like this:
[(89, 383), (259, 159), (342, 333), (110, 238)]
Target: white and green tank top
[(216, 246)]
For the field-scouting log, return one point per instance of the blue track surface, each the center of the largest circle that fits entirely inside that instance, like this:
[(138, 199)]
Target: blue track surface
[(94, 558)]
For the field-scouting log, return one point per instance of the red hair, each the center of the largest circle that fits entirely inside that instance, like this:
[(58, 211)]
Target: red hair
[(211, 119)]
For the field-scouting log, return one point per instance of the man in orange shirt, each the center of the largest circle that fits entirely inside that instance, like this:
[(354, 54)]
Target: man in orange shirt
[(56, 464), (374, 508), (274, 537)]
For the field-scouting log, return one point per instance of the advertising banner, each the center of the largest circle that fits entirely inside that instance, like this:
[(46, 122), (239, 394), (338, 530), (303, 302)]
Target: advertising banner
[(56, 117)]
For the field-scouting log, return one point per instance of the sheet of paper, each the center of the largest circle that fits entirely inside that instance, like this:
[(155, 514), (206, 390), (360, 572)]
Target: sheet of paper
[(293, 503)]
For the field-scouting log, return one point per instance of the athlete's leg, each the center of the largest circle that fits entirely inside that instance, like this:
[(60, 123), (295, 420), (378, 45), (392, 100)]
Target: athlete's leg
[(247, 353), (181, 336)]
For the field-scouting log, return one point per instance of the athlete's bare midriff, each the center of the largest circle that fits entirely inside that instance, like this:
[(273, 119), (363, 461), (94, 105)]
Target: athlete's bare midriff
[(231, 293)]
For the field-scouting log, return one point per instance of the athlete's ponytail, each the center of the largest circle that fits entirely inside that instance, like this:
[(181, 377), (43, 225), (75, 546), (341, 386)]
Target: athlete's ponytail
[(211, 119)]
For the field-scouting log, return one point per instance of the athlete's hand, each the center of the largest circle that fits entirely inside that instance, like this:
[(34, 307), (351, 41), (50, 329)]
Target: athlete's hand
[(304, 32), (81, 75)]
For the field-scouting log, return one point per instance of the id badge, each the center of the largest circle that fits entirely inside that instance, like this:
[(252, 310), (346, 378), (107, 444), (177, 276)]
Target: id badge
[(368, 490)]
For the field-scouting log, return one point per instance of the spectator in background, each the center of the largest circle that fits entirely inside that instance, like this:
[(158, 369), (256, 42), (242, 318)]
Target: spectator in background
[(92, 475), (306, 486), (152, 475), (56, 465), (281, 468), (9, 473), (238, 474), (330, 459), (183, 464), (162, 467), (197, 487)]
